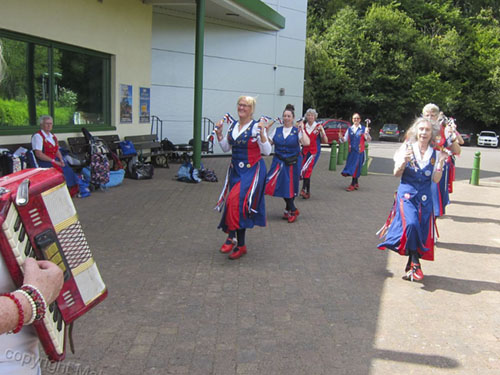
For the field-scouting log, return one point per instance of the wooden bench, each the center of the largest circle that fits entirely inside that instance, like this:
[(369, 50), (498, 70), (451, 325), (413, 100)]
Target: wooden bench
[(147, 146)]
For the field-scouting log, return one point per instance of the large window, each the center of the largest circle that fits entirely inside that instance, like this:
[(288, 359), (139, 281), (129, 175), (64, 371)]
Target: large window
[(42, 77)]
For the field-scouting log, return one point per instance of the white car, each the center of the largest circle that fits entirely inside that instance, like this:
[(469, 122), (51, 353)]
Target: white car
[(487, 138)]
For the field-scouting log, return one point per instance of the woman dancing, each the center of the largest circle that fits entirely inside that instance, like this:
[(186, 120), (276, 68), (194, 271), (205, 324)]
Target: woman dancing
[(409, 230), (356, 136), (283, 178), (310, 153), (243, 192), (447, 141)]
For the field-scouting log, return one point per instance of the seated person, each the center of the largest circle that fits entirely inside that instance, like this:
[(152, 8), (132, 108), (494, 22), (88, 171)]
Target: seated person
[(46, 149)]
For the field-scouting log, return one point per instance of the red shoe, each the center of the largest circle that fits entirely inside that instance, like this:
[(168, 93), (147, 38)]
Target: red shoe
[(303, 194), (228, 246), (415, 273), (350, 188), (238, 252), (293, 216), (356, 186), (286, 215)]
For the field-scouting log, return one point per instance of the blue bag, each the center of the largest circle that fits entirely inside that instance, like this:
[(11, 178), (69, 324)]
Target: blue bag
[(115, 178), (84, 188), (127, 148), (187, 173)]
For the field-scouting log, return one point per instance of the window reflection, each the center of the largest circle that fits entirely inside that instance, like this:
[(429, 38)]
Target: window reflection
[(71, 85)]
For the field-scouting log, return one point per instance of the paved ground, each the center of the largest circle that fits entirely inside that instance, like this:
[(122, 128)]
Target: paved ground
[(313, 297)]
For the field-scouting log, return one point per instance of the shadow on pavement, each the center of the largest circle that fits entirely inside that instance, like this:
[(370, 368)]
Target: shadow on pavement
[(418, 359), (432, 283), (464, 219), (468, 248), (475, 204)]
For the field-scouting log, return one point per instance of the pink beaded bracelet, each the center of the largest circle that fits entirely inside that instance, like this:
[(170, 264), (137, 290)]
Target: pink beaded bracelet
[(20, 311)]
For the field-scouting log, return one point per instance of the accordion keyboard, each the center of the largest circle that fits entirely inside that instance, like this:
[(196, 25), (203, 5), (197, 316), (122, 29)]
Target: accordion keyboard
[(21, 247), (54, 324), (16, 234)]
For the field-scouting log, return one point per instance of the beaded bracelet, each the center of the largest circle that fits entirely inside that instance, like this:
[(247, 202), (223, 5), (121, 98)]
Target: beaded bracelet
[(41, 305), (20, 311), (32, 303)]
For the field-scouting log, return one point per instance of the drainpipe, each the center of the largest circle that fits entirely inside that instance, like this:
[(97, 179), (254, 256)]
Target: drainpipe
[(198, 81)]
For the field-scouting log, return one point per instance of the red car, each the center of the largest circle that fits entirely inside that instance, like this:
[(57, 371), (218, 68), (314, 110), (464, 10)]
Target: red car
[(335, 128)]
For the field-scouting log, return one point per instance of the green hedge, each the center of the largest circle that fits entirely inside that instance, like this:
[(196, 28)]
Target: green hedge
[(15, 113)]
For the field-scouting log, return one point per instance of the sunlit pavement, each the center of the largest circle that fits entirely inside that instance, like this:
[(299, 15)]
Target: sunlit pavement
[(311, 297)]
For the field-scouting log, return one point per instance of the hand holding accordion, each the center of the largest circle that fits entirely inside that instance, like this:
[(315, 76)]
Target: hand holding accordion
[(44, 225), (44, 275)]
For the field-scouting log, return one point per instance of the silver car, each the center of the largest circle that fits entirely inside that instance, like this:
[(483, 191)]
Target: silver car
[(390, 132)]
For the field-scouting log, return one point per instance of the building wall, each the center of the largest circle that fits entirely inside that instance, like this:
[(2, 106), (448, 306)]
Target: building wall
[(121, 28), (238, 60)]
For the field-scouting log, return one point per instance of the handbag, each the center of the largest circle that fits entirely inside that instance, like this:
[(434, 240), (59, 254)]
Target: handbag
[(290, 160), (127, 148)]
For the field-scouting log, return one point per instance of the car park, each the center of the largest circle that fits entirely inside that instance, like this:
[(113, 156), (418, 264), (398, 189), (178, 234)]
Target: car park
[(487, 138), (390, 132), (466, 136), (335, 128)]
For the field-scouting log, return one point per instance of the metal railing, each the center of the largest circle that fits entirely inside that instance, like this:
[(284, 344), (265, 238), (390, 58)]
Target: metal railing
[(207, 127)]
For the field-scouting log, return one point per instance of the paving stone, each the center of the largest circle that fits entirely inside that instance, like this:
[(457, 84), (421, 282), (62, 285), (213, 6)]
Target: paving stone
[(313, 297)]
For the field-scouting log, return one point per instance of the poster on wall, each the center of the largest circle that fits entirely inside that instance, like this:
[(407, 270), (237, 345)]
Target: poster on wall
[(144, 100), (125, 103)]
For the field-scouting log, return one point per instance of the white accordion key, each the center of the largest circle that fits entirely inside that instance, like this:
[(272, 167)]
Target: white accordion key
[(55, 327)]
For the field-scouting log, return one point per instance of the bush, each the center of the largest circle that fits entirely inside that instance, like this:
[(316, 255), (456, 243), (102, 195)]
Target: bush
[(15, 113)]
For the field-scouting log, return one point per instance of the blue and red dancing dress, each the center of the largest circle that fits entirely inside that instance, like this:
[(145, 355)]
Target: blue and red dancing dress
[(311, 153), (411, 223), (243, 192), (356, 157), (282, 179), (441, 191)]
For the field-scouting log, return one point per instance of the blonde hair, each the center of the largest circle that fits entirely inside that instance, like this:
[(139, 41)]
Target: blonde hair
[(431, 108), (248, 100)]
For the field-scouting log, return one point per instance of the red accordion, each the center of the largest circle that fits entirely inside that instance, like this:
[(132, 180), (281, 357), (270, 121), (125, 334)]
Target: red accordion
[(39, 220)]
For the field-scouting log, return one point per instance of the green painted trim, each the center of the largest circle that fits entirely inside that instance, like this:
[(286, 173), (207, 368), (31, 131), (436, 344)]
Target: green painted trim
[(263, 11), (21, 130)]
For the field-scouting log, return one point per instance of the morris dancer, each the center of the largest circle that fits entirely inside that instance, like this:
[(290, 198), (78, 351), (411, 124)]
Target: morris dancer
[(356, 136), (310, 154), (446, 141), (243, 192), (409, 229), (283, 177)]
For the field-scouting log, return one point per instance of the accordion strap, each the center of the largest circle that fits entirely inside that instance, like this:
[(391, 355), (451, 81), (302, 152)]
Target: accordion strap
[(70, 338)]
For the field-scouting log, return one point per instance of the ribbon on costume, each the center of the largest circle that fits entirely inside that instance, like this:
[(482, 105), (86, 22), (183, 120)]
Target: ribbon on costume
[(224, 193), (249, 198), (227, 118)]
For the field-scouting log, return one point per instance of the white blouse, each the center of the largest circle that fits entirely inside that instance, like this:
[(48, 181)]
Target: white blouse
[(265, 147)]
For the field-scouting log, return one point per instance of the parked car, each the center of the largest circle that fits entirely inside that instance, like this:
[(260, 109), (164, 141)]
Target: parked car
[(466, 136), (487, 138), (335, 128), (390, 132)]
